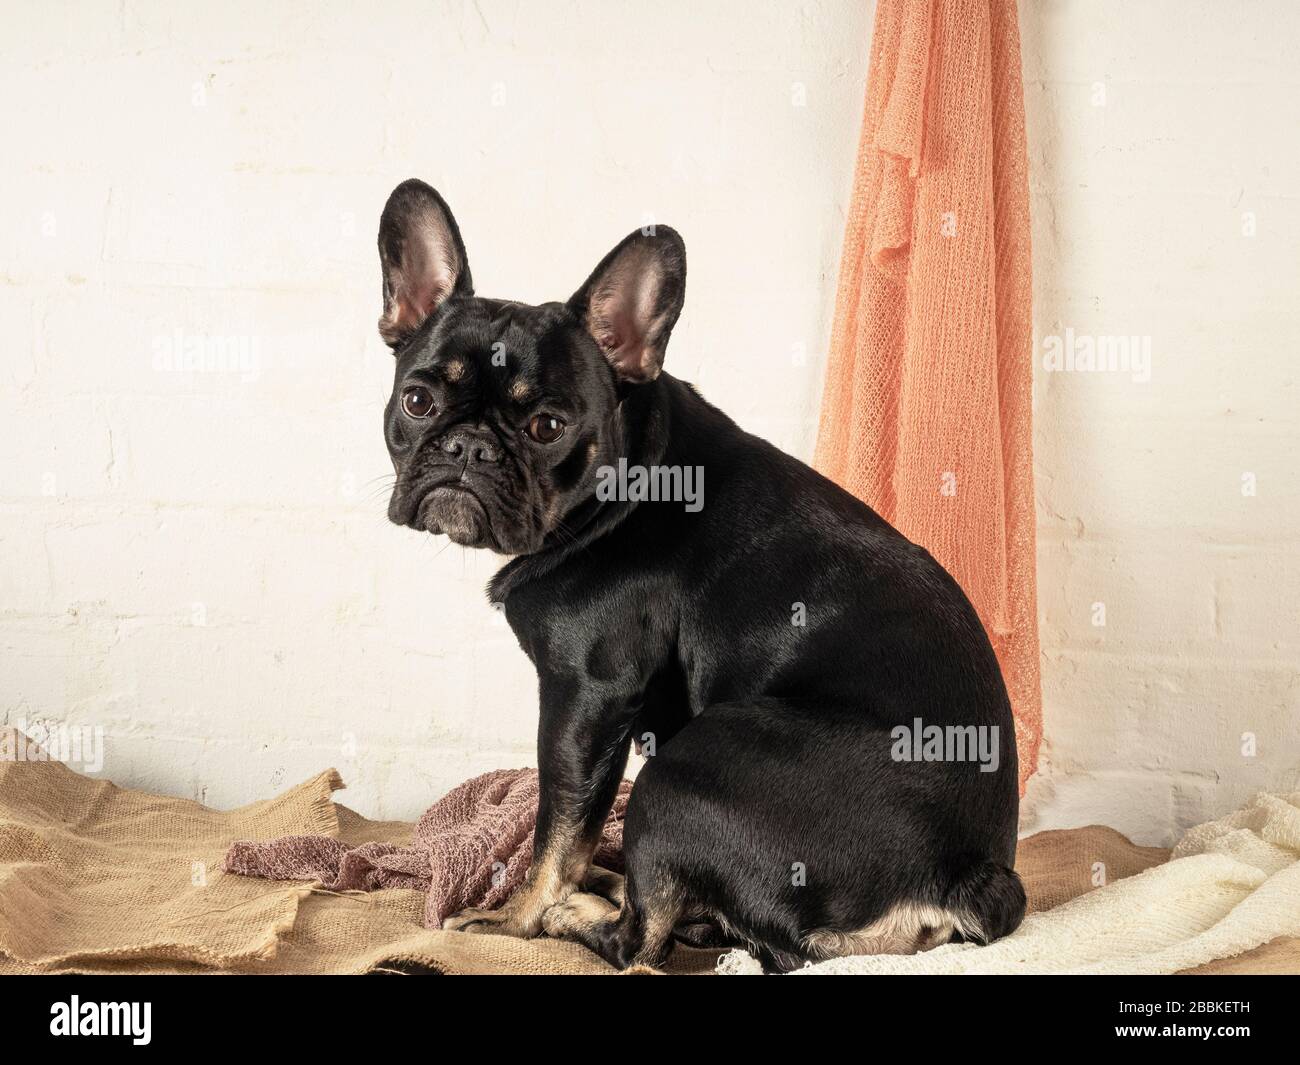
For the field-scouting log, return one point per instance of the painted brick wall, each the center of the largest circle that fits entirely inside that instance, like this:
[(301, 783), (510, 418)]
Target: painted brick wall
[(195, 556), (1165, 209)]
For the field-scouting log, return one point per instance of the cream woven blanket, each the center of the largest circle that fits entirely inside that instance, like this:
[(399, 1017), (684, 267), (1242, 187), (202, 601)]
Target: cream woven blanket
[(1230, 885)]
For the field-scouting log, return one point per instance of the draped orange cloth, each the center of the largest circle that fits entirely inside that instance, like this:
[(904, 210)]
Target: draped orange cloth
[(927, 408)]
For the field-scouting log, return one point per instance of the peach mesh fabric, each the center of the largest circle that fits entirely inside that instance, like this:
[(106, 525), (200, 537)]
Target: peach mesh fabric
[(926, 413)]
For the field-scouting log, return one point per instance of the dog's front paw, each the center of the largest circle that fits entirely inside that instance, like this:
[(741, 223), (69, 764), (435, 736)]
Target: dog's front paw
[(556, 921), (577, 915), (502, 922)]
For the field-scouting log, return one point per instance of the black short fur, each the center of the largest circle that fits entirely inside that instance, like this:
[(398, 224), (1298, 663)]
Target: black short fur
[(771, 740)]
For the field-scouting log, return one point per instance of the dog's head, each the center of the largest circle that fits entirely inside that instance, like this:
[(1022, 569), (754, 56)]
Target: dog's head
[(502, 412)]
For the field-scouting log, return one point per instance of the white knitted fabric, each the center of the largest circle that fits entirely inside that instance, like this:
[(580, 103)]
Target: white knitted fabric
[(1229, 886)]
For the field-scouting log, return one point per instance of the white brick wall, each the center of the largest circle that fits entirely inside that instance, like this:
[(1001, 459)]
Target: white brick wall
[(199, 562), (1155, 131)]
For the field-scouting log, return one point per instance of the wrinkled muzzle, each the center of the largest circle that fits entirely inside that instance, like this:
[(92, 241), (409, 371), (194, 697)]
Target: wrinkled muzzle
[(455, 512)]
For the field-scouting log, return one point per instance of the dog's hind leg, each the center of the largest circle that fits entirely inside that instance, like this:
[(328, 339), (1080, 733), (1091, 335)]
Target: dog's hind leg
[(988, 901), (640, 932), (908, 928), (580, 917), (984, 903), (703, 933), (696, 928), (606, 884)]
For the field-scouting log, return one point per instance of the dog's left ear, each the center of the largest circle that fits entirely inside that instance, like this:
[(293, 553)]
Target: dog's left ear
[(631, 301), (422, 259)]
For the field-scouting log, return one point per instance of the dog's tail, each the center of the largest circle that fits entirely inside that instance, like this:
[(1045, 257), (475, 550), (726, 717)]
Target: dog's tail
[(987, 902)]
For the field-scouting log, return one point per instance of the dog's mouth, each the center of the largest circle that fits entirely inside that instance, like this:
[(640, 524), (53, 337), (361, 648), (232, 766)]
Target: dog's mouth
[(455, 512), (468, 510)]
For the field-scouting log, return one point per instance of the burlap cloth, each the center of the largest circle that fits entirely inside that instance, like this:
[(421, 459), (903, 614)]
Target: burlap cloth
[(97, 878)]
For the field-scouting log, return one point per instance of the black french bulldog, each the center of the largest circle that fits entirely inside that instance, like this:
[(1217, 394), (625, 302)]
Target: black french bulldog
[(775, 648)]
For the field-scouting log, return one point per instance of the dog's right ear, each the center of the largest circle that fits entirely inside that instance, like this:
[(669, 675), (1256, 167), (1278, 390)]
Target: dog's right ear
[(631, 301), (422, 258)]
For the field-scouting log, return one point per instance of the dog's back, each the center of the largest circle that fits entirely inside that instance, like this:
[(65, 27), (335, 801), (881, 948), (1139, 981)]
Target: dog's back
[(792, 633)]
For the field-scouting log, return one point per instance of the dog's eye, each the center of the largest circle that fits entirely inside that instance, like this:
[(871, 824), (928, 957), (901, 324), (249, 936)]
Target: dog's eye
[(417, 402), (545, 428)]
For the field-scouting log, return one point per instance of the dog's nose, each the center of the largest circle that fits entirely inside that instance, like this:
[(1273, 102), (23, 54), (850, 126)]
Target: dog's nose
[(460, 443)]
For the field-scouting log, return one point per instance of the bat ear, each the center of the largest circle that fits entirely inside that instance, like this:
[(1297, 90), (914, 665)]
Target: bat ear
[(422, 259), (631, 301)]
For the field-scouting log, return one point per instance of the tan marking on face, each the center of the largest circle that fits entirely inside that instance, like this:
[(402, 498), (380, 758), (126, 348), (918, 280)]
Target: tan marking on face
[(592, 448), (454, 370), (520, 390)]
